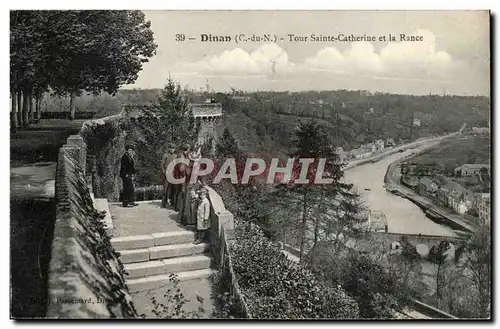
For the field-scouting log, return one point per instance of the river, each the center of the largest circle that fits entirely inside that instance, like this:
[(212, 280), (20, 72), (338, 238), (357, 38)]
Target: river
[(402, 215)]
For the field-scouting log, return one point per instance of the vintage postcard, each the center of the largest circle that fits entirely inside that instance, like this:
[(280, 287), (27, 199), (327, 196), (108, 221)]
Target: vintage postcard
[(250, 164)]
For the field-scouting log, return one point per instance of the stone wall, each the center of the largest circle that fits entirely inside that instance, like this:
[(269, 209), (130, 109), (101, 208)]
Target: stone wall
[(220, 237), (106, 140), (85, 275)]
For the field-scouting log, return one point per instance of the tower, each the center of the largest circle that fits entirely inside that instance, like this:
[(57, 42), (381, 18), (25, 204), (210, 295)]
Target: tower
[(208, 116)]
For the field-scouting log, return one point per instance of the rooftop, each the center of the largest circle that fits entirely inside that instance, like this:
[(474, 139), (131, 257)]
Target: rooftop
[(359, 151), (427, 181), (473, 166)]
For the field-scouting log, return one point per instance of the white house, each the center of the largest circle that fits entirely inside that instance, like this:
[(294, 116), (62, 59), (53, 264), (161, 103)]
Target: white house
[(379, 145), (470, 169)]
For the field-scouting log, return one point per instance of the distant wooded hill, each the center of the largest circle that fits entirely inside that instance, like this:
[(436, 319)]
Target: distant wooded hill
[(265, 121)]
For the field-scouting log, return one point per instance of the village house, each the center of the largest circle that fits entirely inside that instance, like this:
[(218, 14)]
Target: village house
[(370, 146), (422, 169), (342, 155), (360, 153), (470, 169), (478, 198), (480, 130), (379, 145), (390, 142), (455, 196), (459, 202), (484, 211), (426, 187)]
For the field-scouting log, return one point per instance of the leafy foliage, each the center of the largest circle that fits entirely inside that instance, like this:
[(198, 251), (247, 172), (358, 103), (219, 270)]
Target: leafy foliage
[(166, 120), (477, 263), (329, 210), (226, 306), (74, 50), (174, 301), (276, 287), (377, 290), (227, 146), (377, 293)]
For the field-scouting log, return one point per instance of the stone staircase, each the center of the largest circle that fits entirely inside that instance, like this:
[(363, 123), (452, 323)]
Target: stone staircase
[(150, 259)]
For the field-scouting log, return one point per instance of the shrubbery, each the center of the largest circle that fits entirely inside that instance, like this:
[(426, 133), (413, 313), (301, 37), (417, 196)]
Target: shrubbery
[(378, 291), (276, 287)]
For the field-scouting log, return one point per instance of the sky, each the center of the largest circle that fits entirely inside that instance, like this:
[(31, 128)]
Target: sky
[(452, 54)]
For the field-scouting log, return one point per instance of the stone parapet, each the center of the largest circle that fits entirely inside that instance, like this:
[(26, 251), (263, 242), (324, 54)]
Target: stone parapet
[(85, 279), (220, 237)]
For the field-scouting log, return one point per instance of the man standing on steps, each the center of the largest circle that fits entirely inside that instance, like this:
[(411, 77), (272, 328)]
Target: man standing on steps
[(167, 158), (180, 172), (203, 216), (127, 171), (185, 209)]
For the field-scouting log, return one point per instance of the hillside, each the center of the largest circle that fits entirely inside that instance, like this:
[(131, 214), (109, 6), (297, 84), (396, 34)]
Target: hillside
[(265, 121)]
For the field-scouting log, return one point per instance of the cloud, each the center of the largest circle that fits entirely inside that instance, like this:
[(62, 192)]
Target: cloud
[(239, 62), (401, 67), (396, 58)]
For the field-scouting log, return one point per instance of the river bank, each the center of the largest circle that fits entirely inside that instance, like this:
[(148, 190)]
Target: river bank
[(436, 213), (396, 149)]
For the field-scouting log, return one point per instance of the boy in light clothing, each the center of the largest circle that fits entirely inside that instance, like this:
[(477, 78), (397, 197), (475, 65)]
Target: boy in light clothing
[(203, 216)]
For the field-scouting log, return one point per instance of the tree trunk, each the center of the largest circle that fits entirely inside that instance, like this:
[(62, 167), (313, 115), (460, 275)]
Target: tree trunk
[(31, 109), (72, 105), (316, 231), (19, 109), (25, 108), (438, 283), (303, 227), (13, 112), (37, 108)]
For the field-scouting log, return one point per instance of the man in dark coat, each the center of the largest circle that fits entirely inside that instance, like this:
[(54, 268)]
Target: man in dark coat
[(180, 172), (127, 171)]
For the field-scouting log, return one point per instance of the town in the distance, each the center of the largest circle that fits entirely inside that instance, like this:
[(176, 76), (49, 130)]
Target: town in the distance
[(152, 179)]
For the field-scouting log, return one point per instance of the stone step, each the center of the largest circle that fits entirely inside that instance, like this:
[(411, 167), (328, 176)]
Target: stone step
[(170, 265), (152, 240), (161, 252), (163, 280), (177, 250), (134, 255)]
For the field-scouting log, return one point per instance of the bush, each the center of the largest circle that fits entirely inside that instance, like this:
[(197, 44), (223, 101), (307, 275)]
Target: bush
[(276, 287), (377, 290)]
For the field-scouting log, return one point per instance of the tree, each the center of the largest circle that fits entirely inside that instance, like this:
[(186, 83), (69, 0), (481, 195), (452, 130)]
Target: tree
[(406, 268), (166, 120), (227, 146), (28, 62), (316, 211), (438, 255), (477, 267), (377, 293), (75, 50), (98, 50)]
